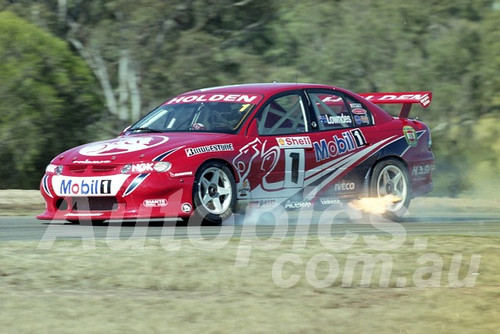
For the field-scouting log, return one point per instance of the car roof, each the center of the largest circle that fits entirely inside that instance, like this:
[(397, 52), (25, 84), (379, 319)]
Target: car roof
[(265, 89), (269, 89)]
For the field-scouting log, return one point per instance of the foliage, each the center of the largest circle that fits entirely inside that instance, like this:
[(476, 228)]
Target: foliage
[(45, 97), (143, 51)]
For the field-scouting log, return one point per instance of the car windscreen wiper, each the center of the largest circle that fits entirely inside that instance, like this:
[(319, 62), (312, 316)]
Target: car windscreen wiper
[(146, 129)]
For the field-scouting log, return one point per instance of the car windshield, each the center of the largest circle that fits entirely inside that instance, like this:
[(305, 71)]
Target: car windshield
[(209, 112)]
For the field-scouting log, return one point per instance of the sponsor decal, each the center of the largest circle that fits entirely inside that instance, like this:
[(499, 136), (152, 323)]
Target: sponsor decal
[(142, 168), (91, 162), (330, 201), (344, 186), (181, 174), (422, 98), (357, 120), (339, 119), (359, 111), (297, 204), (410, 135), (122, 145), (421, 170), (425, 100), (294, 142), (349, 141), (87, 186), (356, 106), (332, 99), (266, 203), (153, 203), (186, 207), (244, 189), (239, 98), (208, 149), (365, 119)]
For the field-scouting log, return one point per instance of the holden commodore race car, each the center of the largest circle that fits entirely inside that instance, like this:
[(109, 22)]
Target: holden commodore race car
[(213, 152)]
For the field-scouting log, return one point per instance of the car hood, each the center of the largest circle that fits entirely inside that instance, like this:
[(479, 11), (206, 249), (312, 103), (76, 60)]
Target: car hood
[(138, 147)]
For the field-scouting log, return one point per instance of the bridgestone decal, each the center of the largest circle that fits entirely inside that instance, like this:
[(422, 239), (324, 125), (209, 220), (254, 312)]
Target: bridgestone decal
[(208, 149)]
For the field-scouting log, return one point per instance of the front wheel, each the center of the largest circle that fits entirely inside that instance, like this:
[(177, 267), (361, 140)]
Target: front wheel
[(214, 192), (390, 178)]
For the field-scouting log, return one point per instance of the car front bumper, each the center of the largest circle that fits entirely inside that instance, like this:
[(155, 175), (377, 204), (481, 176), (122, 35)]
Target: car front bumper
[(149, 195)]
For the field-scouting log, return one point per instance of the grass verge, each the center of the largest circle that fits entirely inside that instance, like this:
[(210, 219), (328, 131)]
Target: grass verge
[(150, 288), (16, 202)]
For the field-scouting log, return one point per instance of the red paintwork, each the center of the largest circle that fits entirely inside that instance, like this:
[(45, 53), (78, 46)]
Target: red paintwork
[(258, 163)]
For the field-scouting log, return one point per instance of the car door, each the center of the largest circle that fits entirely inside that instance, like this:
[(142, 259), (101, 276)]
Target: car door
[(285, 148), (338, 145)]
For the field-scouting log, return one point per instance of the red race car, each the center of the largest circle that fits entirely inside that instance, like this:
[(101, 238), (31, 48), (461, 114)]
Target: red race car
[(215, 151)]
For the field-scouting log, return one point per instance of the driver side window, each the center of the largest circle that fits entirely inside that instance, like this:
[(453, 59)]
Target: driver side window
[(283, 115)]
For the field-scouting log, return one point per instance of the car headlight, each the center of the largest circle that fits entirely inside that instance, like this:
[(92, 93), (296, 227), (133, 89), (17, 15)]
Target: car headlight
[(54, 169), (162, 166), (126, 169)]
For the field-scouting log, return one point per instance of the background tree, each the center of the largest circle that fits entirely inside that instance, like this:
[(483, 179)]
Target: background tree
[(46, 98), (146, 50)]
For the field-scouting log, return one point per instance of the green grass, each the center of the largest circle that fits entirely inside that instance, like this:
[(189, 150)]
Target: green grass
[(153, 290), (16, 202)]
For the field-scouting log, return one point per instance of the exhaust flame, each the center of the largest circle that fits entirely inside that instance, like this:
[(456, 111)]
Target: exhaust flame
[(377, 205)]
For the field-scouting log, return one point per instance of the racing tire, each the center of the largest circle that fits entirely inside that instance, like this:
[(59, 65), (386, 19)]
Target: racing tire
[(390, 177), (214, 193)]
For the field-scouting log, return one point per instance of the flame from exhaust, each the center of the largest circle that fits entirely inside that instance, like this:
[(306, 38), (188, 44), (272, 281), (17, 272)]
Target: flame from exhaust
[(376, 205)]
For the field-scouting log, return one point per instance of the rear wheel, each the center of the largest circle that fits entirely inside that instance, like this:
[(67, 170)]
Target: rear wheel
[(214, 192), (390, 178)]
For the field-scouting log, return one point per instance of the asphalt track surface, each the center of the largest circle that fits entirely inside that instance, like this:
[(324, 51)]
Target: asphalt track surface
[(263, 226)]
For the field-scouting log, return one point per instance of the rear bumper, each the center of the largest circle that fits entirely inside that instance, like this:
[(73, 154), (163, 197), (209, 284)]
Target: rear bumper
[(421, 177)]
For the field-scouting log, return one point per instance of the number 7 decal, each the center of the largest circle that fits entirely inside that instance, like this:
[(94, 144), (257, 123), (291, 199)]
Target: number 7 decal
[(294, 168)]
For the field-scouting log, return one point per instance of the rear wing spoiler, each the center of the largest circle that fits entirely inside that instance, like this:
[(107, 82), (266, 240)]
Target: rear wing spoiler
[(405, 98)]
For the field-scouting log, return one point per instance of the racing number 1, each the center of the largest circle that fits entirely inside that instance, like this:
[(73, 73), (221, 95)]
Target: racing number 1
[(294, 168)]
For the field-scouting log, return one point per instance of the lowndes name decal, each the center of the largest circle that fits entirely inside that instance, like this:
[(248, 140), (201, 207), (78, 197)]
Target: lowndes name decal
[(238, 98), (87, 186), (208, 149), (334, 120), (122, 145)]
